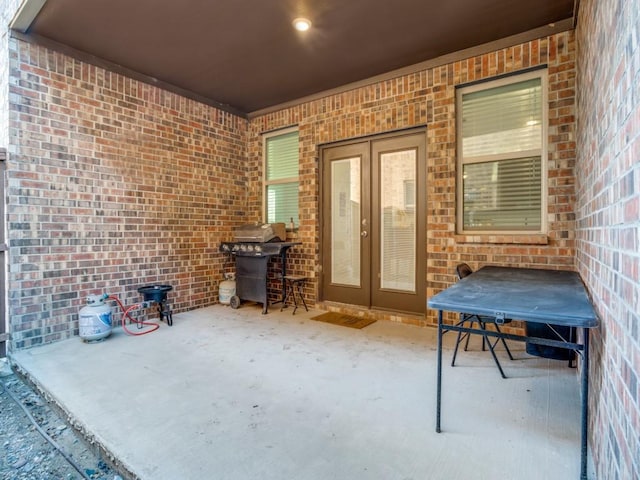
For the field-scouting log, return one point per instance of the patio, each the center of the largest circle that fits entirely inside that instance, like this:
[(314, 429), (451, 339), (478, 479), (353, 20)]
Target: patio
[(233, 394)]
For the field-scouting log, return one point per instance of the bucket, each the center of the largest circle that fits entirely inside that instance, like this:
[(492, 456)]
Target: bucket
[(541, 330), (227, 289)]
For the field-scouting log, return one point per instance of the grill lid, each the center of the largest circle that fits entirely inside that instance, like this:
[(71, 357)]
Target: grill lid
[(260, 233)]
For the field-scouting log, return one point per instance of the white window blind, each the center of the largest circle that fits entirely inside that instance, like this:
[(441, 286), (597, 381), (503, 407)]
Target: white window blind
[(398, 220), (503, 194), (281, 178), (501, 144), (502, 120)]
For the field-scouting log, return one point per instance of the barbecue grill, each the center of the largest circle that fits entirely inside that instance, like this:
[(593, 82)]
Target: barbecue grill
[(253, 247), (260, 233)]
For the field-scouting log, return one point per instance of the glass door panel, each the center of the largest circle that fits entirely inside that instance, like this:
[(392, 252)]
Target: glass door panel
[(346, 267), (345, 222), (398, 221)]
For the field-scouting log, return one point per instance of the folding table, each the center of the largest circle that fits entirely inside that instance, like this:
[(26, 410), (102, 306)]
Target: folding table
[(543, 296)]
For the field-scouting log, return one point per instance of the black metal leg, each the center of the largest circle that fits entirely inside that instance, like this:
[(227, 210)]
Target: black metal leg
[(493, 353), (295, 301), (458, 340), (504, 343), (468, 335), (439, 373), (461, 337), (572, 338), (284, 295), (300, 283), (165, 312), (283, 272), (585, 406), (455, 350)]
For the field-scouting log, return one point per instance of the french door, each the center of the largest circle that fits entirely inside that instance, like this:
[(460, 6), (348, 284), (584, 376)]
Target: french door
[(374, 222)]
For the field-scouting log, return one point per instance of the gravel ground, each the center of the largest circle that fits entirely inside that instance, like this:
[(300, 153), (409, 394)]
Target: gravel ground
[(24, 452)]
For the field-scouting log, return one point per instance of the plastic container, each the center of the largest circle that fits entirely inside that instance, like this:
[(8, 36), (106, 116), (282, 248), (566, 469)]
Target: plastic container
[(227, 289)]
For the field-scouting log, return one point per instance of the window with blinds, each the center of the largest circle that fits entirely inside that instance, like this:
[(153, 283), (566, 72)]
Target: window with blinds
[(501, 145), (281, 177)]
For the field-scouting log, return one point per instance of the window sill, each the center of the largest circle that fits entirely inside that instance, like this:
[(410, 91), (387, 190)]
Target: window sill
[(519, 239)]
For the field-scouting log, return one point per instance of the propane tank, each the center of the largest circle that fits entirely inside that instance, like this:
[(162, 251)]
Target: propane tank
[(227, 288), (95, 319)]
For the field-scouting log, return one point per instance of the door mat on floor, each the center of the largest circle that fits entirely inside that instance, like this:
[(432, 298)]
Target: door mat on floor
[(343, 320)]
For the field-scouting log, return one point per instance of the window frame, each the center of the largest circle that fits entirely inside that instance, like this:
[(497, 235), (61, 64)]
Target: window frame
[(515, 78), (265, 167)]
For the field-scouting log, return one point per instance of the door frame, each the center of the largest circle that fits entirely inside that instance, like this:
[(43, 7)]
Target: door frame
[(342, 294), (421, 215)]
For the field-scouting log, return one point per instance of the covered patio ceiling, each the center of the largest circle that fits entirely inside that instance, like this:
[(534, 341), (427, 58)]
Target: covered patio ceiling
[(244, 55)]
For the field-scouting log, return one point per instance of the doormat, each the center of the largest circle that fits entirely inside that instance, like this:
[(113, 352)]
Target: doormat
[(343, 320)]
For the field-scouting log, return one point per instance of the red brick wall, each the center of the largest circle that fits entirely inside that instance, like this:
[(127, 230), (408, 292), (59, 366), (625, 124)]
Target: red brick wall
[(428, 98), (608, 224), (112, 184)]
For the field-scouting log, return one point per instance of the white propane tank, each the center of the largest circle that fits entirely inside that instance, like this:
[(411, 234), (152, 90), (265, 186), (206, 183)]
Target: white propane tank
[(95, 319), (227, 288)]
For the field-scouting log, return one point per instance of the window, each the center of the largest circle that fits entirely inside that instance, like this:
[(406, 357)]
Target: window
[(501, 155), (281, 177)]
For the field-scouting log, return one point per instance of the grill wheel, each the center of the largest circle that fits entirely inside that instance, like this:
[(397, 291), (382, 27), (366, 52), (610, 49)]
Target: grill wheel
[(234, 302)]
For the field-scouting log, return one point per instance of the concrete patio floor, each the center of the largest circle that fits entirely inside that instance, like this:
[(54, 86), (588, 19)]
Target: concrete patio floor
[(233, 394)]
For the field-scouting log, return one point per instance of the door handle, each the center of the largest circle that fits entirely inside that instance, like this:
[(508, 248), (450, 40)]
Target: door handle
[(363, 233)]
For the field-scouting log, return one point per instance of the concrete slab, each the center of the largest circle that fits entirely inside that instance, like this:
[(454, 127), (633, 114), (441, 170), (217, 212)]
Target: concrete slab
[(233, 394)]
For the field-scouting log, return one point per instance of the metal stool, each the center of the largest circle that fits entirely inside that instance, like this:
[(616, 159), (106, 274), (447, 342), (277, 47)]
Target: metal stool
[(291, 284)]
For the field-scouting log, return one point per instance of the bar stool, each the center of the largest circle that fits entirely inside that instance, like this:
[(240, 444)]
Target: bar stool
[(291, 284)]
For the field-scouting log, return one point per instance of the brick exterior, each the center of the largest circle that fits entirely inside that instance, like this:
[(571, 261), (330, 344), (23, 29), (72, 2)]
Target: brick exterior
[(112, 184), (608, 224), (428, 98)]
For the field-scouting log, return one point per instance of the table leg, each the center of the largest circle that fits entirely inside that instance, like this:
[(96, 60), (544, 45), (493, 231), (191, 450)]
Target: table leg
[(584, 405), (439, 374), (283, 260), (283, 272)]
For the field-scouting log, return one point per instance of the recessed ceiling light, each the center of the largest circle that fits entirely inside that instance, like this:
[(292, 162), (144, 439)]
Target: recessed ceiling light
[(302, 24)]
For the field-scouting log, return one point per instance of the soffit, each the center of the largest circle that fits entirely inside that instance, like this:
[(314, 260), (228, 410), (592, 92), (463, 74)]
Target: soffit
[(245, 55)]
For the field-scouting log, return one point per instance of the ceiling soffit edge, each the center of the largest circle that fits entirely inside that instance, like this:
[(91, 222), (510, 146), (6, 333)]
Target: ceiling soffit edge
[(26, 14), (121, 70), (30, 8), (558, 27)]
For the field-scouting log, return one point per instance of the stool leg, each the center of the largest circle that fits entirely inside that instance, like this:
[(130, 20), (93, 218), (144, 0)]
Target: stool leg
[(302, 296), (295, 301), (286, 291)]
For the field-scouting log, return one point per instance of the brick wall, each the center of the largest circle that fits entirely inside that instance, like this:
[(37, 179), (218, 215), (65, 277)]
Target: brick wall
[(112, 184), (608, 223), (428, 98)]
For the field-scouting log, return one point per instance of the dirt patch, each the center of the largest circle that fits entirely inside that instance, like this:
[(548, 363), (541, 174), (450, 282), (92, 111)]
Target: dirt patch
[(26, 455)]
